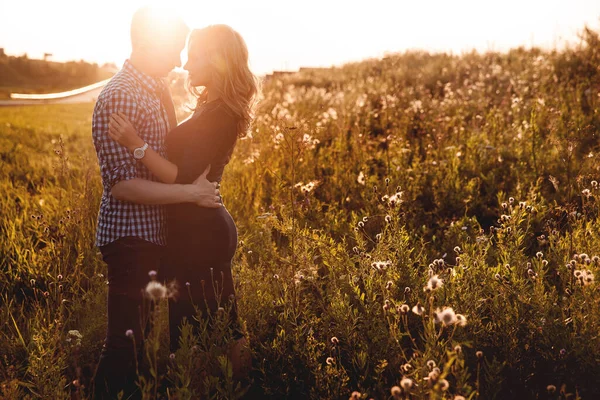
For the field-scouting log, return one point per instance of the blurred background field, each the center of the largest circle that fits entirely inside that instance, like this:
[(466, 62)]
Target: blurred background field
[(359, 189)]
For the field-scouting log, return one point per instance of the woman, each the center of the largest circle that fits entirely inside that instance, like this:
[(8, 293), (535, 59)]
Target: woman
[(201, 242)]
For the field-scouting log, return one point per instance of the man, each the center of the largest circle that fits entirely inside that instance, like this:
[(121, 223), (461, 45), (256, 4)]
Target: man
[(131, 220)]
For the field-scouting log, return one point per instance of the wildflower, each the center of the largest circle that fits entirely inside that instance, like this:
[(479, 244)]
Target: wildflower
[(335, 341), (361, 178), (361, 224), (396, 391), (355, 395), (388, 219), (461, 320), (172, 356), (459, 397), (389, 285), (74, 335), (551, 389), (156, 290), (152, 275), (433, 376), (129, 333), (406, 290), (308, 187), (434, 283), (446, 316), (276, 276), (378, 237), (458, 349), (406, 384), (418, 309), (59, 277), (406, 367), (562, 352), (457, 250), (431, 364), (395, 199), (511, 200), (404, 308), (444, 385), (329, 360), (479, 354), (188, 284)]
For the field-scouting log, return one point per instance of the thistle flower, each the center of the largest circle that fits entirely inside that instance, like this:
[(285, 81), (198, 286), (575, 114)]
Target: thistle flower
[(156, 290), (446, 316), (361, 178), (406, 384), (418, 309), (434, 283), (395, 199)]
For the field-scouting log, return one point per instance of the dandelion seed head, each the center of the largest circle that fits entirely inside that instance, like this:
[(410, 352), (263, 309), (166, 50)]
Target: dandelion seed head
[(406, 384), (156, 290)]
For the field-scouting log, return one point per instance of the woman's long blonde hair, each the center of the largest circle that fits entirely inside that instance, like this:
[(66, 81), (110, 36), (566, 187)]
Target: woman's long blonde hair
[(227, 53)]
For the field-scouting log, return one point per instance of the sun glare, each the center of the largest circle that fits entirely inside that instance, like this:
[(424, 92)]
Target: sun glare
[(288, 35)]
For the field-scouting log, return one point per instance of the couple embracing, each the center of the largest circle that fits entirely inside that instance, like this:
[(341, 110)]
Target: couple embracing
[(161, 214)]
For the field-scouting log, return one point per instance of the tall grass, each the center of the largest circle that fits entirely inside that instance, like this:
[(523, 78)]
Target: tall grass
[(421, 226)]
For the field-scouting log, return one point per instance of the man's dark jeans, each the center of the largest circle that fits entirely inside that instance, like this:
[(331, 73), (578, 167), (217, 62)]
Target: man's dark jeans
[(129, 261)]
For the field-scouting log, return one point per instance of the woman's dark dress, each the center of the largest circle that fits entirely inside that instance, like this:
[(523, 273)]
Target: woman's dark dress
[(201, 242)]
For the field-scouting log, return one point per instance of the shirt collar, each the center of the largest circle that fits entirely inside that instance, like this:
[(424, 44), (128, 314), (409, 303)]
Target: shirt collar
[(153, 85)]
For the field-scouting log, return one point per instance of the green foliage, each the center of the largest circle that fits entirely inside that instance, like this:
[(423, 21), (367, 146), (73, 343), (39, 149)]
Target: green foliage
[(422, 223)]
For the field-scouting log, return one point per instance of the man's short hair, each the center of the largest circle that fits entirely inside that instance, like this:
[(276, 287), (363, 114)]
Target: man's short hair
[(156, 27)]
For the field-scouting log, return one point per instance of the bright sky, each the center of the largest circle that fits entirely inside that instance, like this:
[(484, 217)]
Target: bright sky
[(286, 34)]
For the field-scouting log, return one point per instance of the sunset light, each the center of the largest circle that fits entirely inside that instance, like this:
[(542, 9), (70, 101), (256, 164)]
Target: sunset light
[(288, 34)]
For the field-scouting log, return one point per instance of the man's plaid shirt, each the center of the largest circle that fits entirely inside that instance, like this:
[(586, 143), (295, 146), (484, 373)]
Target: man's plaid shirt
[(137, 95)]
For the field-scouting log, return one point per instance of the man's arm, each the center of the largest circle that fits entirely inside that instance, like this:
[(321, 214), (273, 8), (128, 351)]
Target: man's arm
[(119, 169), (147, 192)]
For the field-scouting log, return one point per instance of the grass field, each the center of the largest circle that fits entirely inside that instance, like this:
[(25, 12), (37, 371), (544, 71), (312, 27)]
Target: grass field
[(423, 224)]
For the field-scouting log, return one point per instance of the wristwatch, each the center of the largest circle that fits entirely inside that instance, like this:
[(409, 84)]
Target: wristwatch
[(140, 152)]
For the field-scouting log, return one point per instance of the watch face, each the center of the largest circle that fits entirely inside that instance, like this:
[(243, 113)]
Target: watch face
[(138, 153)]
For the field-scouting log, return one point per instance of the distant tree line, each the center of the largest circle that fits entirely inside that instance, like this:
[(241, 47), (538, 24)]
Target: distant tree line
[(22, 74)]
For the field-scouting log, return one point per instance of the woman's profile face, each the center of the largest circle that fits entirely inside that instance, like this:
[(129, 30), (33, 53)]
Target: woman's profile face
[(198, 67)]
